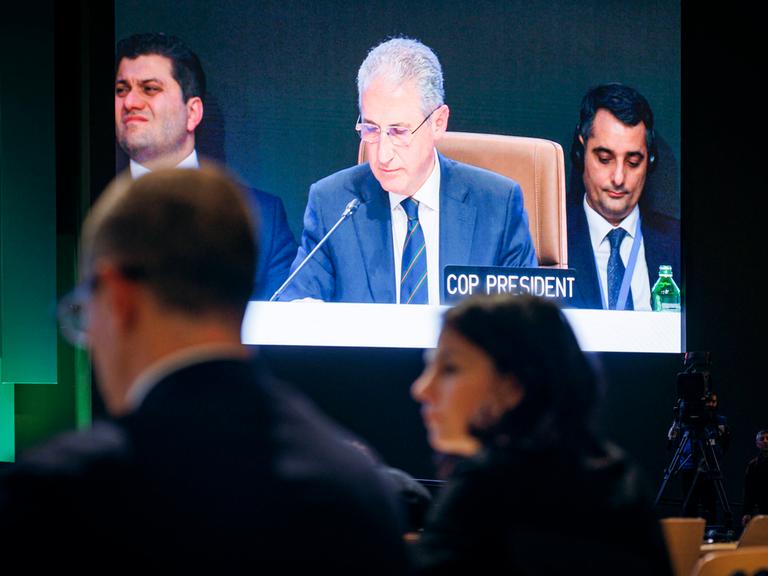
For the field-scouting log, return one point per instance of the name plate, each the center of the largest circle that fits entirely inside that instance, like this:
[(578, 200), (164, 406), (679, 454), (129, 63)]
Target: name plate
[(459, 282)]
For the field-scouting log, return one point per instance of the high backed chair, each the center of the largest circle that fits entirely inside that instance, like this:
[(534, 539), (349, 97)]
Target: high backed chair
[(755, 532), (683, 537), (534, 163), (747, 561)]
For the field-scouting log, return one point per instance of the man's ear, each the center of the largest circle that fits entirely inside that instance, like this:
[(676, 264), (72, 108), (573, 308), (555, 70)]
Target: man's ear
[(440, 121), (194, 113), (121, 295)]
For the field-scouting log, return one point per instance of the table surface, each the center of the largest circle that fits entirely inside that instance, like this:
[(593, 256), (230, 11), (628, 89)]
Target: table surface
[(401, 326)]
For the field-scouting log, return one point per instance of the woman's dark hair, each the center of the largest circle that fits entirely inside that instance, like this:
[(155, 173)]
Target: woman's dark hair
[(530, 339)]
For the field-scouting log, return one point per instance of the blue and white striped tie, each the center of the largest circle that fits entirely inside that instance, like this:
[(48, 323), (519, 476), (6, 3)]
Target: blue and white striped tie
[(413, 273)]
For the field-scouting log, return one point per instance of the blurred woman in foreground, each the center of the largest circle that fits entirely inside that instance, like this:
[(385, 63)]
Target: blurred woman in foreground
[(537, 493)]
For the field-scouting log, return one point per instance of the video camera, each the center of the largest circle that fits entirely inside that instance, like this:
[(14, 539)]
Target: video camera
[(700, 435), (696, 403)]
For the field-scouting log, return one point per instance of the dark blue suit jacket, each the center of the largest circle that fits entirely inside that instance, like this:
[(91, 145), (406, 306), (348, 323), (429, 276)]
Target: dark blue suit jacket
[(277, 246), (220, 470), (482, 223), (661, 238)]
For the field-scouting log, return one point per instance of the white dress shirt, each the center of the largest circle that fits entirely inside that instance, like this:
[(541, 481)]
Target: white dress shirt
[(599, 228), (188, 162), (428, 197)]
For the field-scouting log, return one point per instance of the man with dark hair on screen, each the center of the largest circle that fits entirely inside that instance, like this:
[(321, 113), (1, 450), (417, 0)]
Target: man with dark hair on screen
[(210, 465), (419, 211), (614, 244), (159, 92)]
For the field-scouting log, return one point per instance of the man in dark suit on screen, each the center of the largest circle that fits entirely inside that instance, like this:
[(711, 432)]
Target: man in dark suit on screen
[(419, 211), (159, 92), (209, 466), (615, 246)]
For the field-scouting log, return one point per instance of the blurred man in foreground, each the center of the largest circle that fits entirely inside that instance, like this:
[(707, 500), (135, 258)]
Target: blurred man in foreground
[(209, 464)]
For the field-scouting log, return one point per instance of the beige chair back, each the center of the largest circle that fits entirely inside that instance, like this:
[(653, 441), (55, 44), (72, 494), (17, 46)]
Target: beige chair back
[(683, 537), (748, 561), (755, 532), (534, 163)]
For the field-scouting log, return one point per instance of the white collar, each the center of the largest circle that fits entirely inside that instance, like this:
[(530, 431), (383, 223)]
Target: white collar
[(188, 162), (599, 227)]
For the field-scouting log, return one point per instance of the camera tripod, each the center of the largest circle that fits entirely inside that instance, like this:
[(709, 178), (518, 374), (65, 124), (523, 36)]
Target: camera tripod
[(703, 453)]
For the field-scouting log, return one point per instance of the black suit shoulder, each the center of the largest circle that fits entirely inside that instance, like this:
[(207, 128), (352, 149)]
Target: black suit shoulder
[(220, 464)]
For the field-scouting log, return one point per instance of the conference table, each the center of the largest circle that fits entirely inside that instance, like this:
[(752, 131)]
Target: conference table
[(313, 323)]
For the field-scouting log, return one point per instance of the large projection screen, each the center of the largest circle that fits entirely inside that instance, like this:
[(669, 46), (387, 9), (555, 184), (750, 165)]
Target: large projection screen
[(281, 106)]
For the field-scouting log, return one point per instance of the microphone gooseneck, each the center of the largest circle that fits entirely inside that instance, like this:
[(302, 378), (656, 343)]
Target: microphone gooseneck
[(349, 209)]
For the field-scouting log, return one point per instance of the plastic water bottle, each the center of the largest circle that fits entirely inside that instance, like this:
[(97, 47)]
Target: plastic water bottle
[(665, 293)]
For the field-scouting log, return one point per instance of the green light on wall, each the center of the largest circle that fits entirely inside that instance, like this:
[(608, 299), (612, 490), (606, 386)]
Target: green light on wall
[(27, 215), (7, 435)]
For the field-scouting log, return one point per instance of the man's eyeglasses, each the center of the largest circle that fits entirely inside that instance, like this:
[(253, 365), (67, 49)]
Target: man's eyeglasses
[(398, 135), (72, 310)]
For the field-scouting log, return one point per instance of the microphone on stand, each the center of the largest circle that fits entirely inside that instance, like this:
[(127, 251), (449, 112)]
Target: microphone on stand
[(348, 211)]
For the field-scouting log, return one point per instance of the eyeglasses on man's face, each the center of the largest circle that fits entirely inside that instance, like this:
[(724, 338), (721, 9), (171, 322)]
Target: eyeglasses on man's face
[(72, 310), (398, 135)]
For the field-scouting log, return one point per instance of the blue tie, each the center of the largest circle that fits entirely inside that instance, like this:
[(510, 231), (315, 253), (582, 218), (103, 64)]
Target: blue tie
[(616, 270), (413, 273)]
